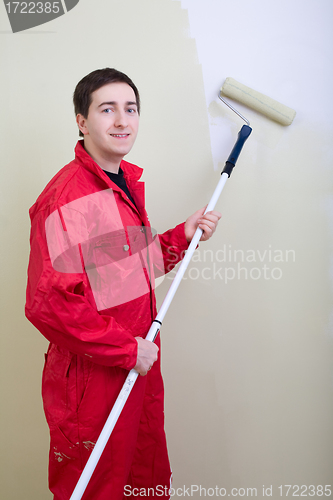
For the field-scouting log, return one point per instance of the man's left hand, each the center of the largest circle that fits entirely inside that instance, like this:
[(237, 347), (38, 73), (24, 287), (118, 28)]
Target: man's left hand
[(207, 223)]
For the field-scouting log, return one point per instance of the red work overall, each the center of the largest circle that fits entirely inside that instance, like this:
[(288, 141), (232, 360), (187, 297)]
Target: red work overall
[(90, 310)]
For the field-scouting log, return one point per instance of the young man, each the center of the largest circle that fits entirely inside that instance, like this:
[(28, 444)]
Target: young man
[(91, 294)]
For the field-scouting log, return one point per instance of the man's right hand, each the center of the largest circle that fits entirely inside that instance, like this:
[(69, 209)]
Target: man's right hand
[(147, 355)]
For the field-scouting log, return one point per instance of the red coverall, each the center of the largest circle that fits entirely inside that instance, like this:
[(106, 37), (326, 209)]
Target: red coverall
[(92, 346)]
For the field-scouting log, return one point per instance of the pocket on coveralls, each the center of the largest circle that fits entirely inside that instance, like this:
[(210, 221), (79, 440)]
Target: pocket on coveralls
[(55, 383)]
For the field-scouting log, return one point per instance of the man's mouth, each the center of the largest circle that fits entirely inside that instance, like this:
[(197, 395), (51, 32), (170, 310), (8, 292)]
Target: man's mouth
[(119, 135)]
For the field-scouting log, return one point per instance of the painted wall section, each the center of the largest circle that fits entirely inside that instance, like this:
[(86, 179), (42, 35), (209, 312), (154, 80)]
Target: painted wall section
[(148, 40), (247, 344)]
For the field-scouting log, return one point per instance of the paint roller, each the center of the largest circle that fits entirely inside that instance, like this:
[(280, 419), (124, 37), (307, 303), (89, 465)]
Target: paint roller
[(273, 110), (257, 101)]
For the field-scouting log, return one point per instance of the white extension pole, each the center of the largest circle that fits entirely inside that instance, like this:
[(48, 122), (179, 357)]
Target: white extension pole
[(133, 374), (155, 326)]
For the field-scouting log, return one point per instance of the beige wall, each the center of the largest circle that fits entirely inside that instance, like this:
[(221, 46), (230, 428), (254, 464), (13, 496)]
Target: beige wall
[(247, 363)]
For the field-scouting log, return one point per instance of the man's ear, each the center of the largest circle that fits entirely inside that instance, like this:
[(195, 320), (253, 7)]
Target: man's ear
[(81, 123)]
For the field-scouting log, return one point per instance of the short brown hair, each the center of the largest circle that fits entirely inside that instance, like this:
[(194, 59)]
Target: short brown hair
[(94, 81)]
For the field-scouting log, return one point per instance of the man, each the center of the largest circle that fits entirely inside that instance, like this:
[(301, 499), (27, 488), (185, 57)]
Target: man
[(91, 294)]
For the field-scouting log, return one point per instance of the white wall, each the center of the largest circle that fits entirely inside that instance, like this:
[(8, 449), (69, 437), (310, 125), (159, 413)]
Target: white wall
[(247, 362)]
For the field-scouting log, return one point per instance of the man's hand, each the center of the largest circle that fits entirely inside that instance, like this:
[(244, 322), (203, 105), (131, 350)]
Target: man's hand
[(207, 223), (147, 355)]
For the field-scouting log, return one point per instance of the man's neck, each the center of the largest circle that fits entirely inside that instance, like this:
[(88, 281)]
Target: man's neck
[(107, 164)]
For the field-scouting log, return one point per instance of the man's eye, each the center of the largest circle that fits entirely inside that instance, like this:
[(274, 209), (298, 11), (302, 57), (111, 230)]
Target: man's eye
[(131, 110), (107, 110)]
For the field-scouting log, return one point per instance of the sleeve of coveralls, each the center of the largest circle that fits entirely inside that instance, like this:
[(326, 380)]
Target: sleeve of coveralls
[(61, 306), (173, 244)]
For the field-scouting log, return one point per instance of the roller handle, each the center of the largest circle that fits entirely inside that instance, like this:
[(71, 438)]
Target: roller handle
[(243, 134)]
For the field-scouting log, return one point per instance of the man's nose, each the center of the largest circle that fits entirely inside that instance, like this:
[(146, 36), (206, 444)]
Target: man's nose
[(121, 119)]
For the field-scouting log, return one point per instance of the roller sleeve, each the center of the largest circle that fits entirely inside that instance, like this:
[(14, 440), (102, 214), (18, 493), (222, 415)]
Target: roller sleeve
[(257, 101)]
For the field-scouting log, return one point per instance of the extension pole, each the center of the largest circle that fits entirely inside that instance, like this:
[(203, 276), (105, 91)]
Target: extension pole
[(155, 326)]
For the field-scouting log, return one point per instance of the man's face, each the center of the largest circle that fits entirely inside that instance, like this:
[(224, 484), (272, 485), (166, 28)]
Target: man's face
[(112, 123)]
